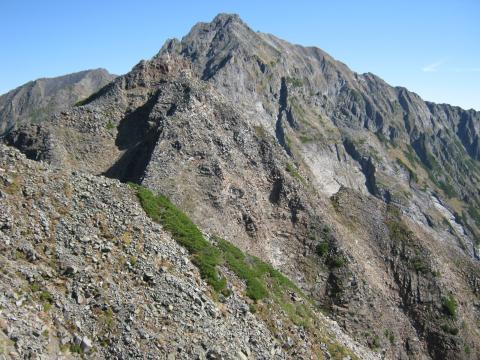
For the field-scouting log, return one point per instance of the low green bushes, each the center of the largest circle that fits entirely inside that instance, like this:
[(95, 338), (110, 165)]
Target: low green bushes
[(450, 305), (205, 256)]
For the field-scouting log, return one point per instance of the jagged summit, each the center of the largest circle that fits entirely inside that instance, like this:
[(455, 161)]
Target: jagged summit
[(223, 19), (222, 23)]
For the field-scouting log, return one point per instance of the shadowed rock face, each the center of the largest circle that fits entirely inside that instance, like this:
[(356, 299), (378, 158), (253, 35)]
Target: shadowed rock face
[(38, 100), (363, 193)]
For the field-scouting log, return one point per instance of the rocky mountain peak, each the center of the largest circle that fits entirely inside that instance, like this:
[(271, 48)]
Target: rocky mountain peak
[(222, 24), (223, 19), (362, 193)]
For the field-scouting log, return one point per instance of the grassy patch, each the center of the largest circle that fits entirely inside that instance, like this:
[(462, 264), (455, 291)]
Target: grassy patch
[(76, 349), (236, 261), (106, 318), (132, 260), (292, 171), (295, 82), (205, 256), (261, 278), (110, 125)]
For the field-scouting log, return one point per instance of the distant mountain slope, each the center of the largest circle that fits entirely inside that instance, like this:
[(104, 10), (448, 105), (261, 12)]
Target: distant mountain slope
[(37, 100), (362, 193)]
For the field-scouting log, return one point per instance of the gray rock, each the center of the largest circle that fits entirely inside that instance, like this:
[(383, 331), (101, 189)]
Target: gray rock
[(86, 344)]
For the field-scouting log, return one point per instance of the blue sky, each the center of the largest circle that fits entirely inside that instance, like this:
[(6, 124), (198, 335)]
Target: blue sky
[(430, 47)]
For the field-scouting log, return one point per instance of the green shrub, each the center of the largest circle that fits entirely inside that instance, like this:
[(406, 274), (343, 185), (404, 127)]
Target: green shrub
[(335, 261), (292, 171), (390, 336), (34, 287), (110, 125), (420, 265), (452, 330), (76, 349), (45, 296), (450, 305), (322, 248), (375, 344)]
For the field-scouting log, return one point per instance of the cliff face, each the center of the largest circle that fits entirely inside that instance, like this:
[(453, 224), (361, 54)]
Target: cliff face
[(38, 100), (364, 194)]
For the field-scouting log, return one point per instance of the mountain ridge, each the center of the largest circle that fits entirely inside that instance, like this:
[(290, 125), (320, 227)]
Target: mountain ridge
[(284, 151), (38, 99)]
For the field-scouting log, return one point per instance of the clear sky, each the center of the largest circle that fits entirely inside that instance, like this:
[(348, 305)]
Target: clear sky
[(431, 47)]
